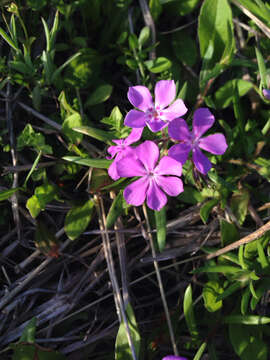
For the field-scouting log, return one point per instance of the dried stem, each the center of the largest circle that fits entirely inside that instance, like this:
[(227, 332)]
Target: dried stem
[(162, 293)]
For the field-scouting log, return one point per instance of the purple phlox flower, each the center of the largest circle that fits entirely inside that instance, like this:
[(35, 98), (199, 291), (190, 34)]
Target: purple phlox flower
[(122, 149), (266, 93), (155, 115), (193, 141), (173, 357), (153, 182)]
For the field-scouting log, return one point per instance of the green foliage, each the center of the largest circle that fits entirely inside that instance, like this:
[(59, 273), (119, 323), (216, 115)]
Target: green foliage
[(30, 138)]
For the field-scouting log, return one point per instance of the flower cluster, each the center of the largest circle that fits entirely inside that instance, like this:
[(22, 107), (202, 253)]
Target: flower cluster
[(158, 178)]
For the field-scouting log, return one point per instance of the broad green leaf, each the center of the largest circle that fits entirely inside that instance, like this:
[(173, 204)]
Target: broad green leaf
[(4, 195), (210, 292), (100, 95), (191, 196), (29, 137), (216, 26), (78, 218), (95, 133), (73, 121), (29, 331), (158, 65), (185, 7), (43, 195), (247, 342), (122, 349), (155, 8), (246, 319), (224, 95), (239, 204), (229, 232), (160, 218), (206, 209), (200, 351), (189, 312), (24, 351), (96, 163)]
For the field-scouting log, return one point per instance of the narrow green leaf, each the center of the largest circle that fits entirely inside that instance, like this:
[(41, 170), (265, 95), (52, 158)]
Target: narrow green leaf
[(58, 71), (189, 312), (78, 218), (8, 40), (54, 30), (122, 349), (47, 34), (262, 258), (160, 218), (200, 351), (229, 290), (245, 301), (4, 195), (262, 69), (95, 163), (32, 168), (247, 319), (95, 133), (225, 269), (116, 210)]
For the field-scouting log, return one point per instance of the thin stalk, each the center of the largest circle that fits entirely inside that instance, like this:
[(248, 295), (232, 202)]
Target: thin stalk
[(161, 289), (110, 263)]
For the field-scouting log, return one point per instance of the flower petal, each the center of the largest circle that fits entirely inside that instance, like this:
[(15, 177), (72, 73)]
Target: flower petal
[(202, 121), (112, 150), (215, 144), (156, 198), (178, 108), (178, 130), (134, 136), (148, 153), (156, 125), (140, 97), (172, 185), (135, 193), (135, 119), (180, 152), (201, 162), (165, 92), (173, 357), (266, 93), (168, 166), (130, 166), (112, 171)]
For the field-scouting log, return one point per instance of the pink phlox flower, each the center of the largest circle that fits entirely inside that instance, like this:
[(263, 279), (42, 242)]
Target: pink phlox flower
[(153, 182), (122, 149), (156, 115), (173, 357), (193, 141), (266, 93)]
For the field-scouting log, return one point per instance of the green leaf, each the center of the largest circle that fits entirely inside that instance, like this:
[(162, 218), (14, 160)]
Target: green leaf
[(160, 217), (247, 342), (246, 319), (216, 27), (210, 292), (116, 209), (78, 218), (43, 195), (73, 121), (8, 40), (262, 257), (189, 312), (95, 163), (200, 351), (206, 209), (29, 137), (225, 269), (191, 196), (100, 95), (229, 232), (224, 95), (155, 9), (29, 331), (144, 35), (262, 69), (4, 195), (95, 133), (158, 65), (122, 349), (239, 204)]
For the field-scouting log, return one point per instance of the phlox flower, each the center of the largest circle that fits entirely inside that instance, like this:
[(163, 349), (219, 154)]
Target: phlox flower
[(153, 182), (193, 141), (173, 357), (122, 149), (155, 115), (266, 93)]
